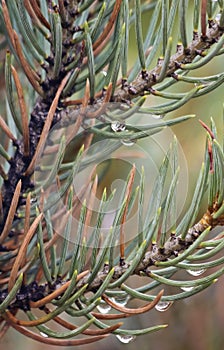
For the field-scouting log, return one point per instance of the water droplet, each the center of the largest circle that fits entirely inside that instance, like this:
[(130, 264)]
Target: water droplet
[(121, 301), (33, 200), (187, 289), (43, 334), (103, 308), (209, 248), (117, 126), (127, 142), (160, 116), (104, 72), (163, 305), (126, 338), (196, 272)]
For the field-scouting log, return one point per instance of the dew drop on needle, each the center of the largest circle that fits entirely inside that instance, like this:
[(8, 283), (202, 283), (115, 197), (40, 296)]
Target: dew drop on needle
[(196, 273), (103, 308), (126, 338), (163, 306)]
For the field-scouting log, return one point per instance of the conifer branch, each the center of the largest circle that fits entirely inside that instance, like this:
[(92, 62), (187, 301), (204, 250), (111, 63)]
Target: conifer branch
[(71, 54)]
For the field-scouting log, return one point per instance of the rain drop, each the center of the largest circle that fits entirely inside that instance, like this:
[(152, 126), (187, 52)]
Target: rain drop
[(126, 338), (163, 305), (104, 72), (33, 200), (103, 308), (160, 116), (117, 126), (187, 289), (196, 273), (127, 142), (43, 334), (120, 301)]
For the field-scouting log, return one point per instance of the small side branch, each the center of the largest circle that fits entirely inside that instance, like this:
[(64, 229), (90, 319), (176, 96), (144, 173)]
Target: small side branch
[(181, 58)]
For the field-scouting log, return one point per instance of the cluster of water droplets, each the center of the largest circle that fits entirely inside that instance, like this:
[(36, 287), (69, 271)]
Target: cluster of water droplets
[(117, 126), (104, 308), (194, 273), (121, 300)]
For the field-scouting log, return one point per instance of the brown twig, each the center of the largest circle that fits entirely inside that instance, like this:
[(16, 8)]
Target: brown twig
[(173, 246), (178, 60), (140, 85)]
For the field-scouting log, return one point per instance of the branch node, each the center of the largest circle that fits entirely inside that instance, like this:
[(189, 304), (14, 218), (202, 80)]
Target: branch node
[(132, 90)]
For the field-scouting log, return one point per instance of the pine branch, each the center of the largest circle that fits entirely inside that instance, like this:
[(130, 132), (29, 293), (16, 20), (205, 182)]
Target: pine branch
[(35, 295), (183, 59), (143, 83), (64, 63)]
